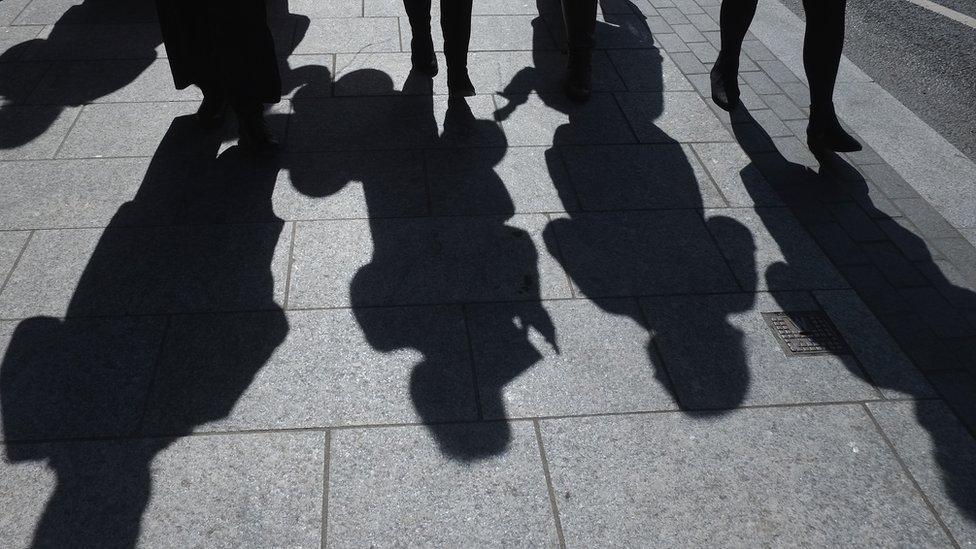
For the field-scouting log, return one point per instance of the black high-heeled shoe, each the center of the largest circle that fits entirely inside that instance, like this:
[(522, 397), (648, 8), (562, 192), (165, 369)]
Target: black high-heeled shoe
[(725, 86), (255, 137), (422, 56), (824, 133)]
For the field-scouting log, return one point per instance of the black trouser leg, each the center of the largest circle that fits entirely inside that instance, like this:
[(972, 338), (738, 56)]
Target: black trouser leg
[(580, 19), (456, 25), (734, 21), (822, 47), (421, 45)]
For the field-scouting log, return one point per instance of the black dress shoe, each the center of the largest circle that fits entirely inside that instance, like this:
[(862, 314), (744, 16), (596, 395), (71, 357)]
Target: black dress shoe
[(725, 86), (210, 115), (255, 137), (824, 133), (422, 56), (458, 83)]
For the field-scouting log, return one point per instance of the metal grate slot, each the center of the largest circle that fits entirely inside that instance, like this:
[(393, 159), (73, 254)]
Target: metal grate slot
[(806, 333)]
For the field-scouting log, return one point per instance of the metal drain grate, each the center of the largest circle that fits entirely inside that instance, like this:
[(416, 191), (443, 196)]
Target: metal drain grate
[(806, 333)]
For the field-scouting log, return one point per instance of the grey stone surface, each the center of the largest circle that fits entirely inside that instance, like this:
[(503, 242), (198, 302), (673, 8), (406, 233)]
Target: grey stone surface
[(488, 33), (67, 193), (414, 261), (98, 41), (351, 185), (395, 65), (739, 180), (785, 257), (639, 177), (522, 71), (876, 351), (19, 80), (218, 491), (318, 10), (346, 35), (11, 243), (146, 270), (938, 453), (76, 378), (768, 476), (721, 354), (15, 41), (535, 122), (106, 130), (493, 181), (671, 116), (10, 9), (598, 363), (970, 235), (648, 70), (311, 369), (429, 499), (35, 132), (78, 82)]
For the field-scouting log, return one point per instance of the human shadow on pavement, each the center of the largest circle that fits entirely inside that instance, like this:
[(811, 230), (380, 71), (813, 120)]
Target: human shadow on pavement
[(657, 241), (175, 312), (429, 268), (808, 194), (101, 63)]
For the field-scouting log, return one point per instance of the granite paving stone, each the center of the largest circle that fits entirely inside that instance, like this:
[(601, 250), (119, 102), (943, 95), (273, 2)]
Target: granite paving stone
[(11, 244), (116, 81), (346, 35), (524, 72), (34, 132), (740, 181), (599, 361), (16, 41), (19, 80), (219, 491), (417, 261), (67, 193), (770, 476), (644, 177), (780, 252), (743, 363), (105, 130), (310, 369), (537, 122), (95, 41), (143, 270), (76, 378), (10, 9), (663, 73), (431, 499), (671, 116), (938, 452)]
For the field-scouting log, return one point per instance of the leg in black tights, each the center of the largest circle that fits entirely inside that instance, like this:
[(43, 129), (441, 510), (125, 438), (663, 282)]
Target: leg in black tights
[(823, 43), (735, 18), (580, 19), (456, 26)]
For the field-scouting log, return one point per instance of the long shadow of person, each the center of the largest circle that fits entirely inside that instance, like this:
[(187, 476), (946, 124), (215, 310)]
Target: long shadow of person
[(183, 272), (806, 191), (103, 63), (445, 261), (610, 256)]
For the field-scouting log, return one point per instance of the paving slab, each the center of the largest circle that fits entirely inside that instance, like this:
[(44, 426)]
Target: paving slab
[(644, 177), (771, 476), (598, 362), (142, 270), (16, 41), (115, 81), (95, 41), (19, 80), (739, 180), (312, 369), (523, 72), (67, 193), (638, 253), (220, 491), (76, 378), (417, 261), (105, 130), (10, 9), (345, 35), (429, 499), (671, 116), (938, 453), (721, 354), (648, 70), (11, 244), (538, 120), (34, 132)]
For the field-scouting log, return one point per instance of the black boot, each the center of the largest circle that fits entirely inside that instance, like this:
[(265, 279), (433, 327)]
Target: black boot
[(580, 19), (458, 82), (725, 84), (824, 133), (210, 114), (255, 137), (422, 55)]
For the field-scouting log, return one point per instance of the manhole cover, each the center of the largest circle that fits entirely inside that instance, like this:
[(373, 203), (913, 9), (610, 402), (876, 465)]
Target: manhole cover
[(806, 333)]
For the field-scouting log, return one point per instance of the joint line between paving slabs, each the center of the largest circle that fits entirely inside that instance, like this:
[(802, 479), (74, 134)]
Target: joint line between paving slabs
[(911, 477), (20, 255), (553, 506), (291, 262), (67, 134), (154, 374), (327, 459), (474, 366)]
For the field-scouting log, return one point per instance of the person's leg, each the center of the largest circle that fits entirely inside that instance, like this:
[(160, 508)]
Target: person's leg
[(456, 25), (580, 19), (823, 44), (734, 21), (421, 44)]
